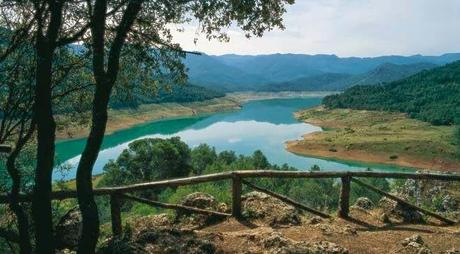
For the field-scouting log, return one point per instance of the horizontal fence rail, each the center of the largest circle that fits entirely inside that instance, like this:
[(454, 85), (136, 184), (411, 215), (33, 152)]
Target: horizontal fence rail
[(66, 194), (238, 178)]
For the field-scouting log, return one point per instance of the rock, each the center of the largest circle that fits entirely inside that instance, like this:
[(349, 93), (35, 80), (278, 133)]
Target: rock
[(399, 211), (223, 208), (451, 251), (276, 243), (413, 239), (315, 220), (325, 247), (449, 204), (364, 203), (414, 245), (68, 230), (202, 201), (269, 210), (160, 241), (156, 221)]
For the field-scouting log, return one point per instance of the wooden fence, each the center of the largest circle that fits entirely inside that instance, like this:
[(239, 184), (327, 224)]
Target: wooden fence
[(239, 178)]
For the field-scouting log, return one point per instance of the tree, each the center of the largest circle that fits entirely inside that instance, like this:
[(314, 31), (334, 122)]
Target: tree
[(149, 160), (144, 26), (202, 156), (260, 161), (17, 127)]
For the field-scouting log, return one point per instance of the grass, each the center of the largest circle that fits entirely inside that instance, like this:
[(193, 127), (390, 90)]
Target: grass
[(389, 136)]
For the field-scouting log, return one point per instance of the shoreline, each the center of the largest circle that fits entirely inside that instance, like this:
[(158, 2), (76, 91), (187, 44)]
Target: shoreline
[(120, 119), (335, 143)]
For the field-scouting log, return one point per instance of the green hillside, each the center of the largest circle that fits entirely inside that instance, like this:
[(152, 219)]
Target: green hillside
[(177, 93), (322, 82), (432, 96), (384, 73)]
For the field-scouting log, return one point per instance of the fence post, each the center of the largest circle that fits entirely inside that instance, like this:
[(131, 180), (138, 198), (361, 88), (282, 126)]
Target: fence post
[(236, 196), (344, 201), (115, 211)]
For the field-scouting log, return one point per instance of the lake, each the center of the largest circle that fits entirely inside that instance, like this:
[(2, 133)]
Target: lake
[(260, 125)]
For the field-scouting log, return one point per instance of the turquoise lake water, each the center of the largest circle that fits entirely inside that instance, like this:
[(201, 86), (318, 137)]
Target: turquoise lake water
[(261, 125)]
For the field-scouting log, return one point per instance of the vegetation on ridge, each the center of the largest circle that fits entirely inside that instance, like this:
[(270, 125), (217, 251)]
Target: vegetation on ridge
[(431, 96)]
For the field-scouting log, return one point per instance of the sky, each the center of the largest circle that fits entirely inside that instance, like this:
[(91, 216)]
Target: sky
[(349, 28)]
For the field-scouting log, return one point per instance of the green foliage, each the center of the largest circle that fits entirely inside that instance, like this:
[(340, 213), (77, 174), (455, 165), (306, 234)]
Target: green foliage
[(430, 96), (148, 160), (177, 93), (202, 156)]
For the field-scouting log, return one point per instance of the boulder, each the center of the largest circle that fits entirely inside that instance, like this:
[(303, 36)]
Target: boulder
[(396, 210), (144, 223), (160, 241), (364, 203), (449, 204), (414, 245), (276, 243), (451, 251), (269, 210), (202, 201), (68, 230)]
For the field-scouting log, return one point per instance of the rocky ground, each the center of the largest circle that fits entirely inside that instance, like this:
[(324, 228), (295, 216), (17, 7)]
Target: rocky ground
[(271, 226)]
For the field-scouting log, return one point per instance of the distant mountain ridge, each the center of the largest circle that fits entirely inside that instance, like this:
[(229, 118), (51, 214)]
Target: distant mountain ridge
[(246, 72)]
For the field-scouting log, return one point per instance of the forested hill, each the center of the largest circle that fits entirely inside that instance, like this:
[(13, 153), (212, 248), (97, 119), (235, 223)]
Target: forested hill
[(432, 96), (384, 73), (177, 93)]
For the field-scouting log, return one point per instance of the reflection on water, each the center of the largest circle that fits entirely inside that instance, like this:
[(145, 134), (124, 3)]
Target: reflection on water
[(260, 125)]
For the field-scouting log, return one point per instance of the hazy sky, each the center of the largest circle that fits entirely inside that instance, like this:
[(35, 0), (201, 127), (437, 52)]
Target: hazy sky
[(350, 28)]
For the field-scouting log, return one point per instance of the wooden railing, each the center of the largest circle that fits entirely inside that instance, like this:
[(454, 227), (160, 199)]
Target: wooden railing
[(239, 178)]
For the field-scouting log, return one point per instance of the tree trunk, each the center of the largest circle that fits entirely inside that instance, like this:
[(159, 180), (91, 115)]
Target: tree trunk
[(46, 126), (21, 217), (88, 207)]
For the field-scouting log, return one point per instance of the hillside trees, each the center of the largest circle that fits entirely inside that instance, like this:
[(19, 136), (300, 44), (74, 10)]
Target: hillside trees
[(430, 96), (149, 160)]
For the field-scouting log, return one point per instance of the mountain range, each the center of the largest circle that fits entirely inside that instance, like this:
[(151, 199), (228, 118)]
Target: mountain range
[(298, 72)]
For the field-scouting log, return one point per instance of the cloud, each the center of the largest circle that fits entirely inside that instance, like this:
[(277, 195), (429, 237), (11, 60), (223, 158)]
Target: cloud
[(350, 28)]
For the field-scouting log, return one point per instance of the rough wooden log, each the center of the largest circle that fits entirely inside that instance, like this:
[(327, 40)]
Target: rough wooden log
[(405, 203), (236, 196), (174, 206), (287, 200), (5, 149), (115, 212), (167, 183), (344, 201), (339, 174), (60, 195)]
